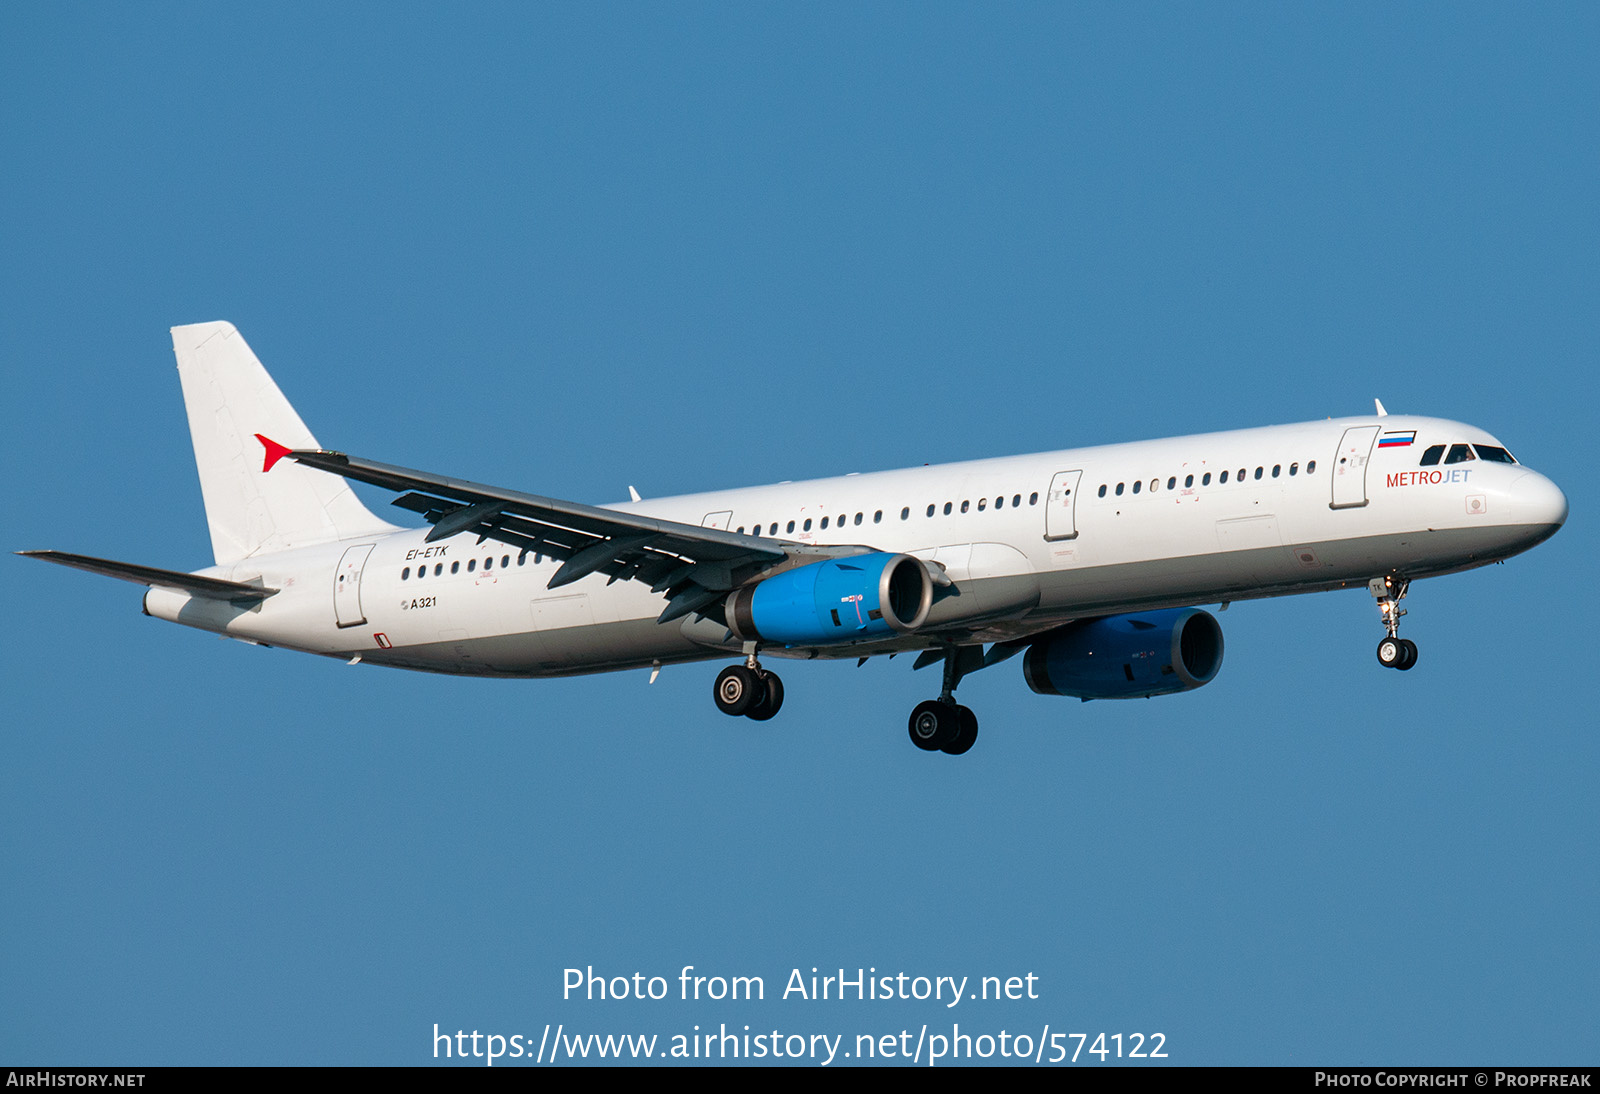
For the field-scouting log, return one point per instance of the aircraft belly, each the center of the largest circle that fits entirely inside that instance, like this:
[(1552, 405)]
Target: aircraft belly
[(1264, 571), (572, 651)]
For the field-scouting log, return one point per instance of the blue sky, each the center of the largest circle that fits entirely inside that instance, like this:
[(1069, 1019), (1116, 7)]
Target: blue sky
[(572, 248)]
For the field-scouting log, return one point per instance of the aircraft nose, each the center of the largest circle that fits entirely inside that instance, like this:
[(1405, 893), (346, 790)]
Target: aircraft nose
[(1539, 501)]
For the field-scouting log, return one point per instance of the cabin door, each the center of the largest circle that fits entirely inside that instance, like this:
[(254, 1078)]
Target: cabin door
[(1350, 466), (1059, 521), (347, 586)]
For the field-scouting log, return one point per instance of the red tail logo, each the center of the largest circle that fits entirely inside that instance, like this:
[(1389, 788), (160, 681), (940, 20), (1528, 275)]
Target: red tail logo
[(275, 452)]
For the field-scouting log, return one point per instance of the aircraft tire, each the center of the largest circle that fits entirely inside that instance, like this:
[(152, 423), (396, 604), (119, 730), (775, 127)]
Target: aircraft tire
[(1408, 656), (770, 699), (966, 734), (737, 690), (933, 725), (1391, 653)]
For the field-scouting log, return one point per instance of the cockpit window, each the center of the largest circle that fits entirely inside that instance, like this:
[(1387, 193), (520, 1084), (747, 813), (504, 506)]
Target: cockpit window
[(1432, 455), (1492, 454), (1460, 453)]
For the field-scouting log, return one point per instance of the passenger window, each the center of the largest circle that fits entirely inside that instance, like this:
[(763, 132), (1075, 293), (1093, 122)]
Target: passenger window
[(1136, 486), (983, 503), (1222, 477), (1033, 498), (1000, 502), (438, 568), (1207, 480), (1102, 490), (1172, 483), (807, 526), (905, 514), (1119, 490), (405, 575), (1155, 484), (1294, 469), (1277, 467), (963, 506), (875, 519), (1258, 473), (791, 526), (472, 564), (1492, 454), (522, 557), (505, 560), (774, 530), (1241, 474), (947, 508), (1188, 481), (930, 510), (488, 563), (455, 567), (1016, 501), (1311, 468), (824, 522)]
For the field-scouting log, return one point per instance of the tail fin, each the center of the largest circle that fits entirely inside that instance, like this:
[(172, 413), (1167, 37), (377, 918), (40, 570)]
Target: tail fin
[(230, 400)]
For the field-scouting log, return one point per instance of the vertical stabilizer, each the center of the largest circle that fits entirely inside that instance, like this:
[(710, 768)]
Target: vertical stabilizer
[(230, 398)]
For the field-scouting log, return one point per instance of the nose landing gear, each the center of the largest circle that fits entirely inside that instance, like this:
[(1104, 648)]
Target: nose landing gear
[(1394, 652)]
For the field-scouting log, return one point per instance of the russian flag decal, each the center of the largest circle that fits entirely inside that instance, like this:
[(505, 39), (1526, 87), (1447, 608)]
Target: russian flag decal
[(1397, 440)]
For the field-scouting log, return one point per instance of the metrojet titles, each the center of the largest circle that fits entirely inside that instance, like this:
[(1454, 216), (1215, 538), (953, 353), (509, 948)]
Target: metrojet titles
[(863, 985), (1427, 478)]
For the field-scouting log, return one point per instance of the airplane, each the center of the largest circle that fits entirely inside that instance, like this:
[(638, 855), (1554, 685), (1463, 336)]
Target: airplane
[(1088, 562)]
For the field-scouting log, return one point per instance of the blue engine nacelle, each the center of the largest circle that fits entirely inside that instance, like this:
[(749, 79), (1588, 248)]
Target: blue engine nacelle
[(1127, 656), (835, 601)]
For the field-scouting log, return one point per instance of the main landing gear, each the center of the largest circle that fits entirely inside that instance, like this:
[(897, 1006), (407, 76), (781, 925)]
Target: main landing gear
[(749, 689), (1394, 652), (942, 724)]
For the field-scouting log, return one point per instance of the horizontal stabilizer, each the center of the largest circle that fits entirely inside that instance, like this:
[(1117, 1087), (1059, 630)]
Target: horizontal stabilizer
[(213, 587)]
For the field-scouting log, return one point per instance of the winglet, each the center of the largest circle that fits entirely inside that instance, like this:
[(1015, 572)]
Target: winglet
[(275, 452)]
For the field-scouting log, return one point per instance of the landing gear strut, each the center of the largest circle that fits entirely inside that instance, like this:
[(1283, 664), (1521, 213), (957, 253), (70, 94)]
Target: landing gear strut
[(1394, 652), (942, 724), (749, 689)]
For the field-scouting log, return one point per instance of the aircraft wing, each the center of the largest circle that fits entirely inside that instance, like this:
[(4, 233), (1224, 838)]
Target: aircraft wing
[(214, 587), (695, 567)]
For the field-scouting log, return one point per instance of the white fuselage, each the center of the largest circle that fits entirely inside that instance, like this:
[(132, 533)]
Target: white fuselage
[(1028, 542)]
